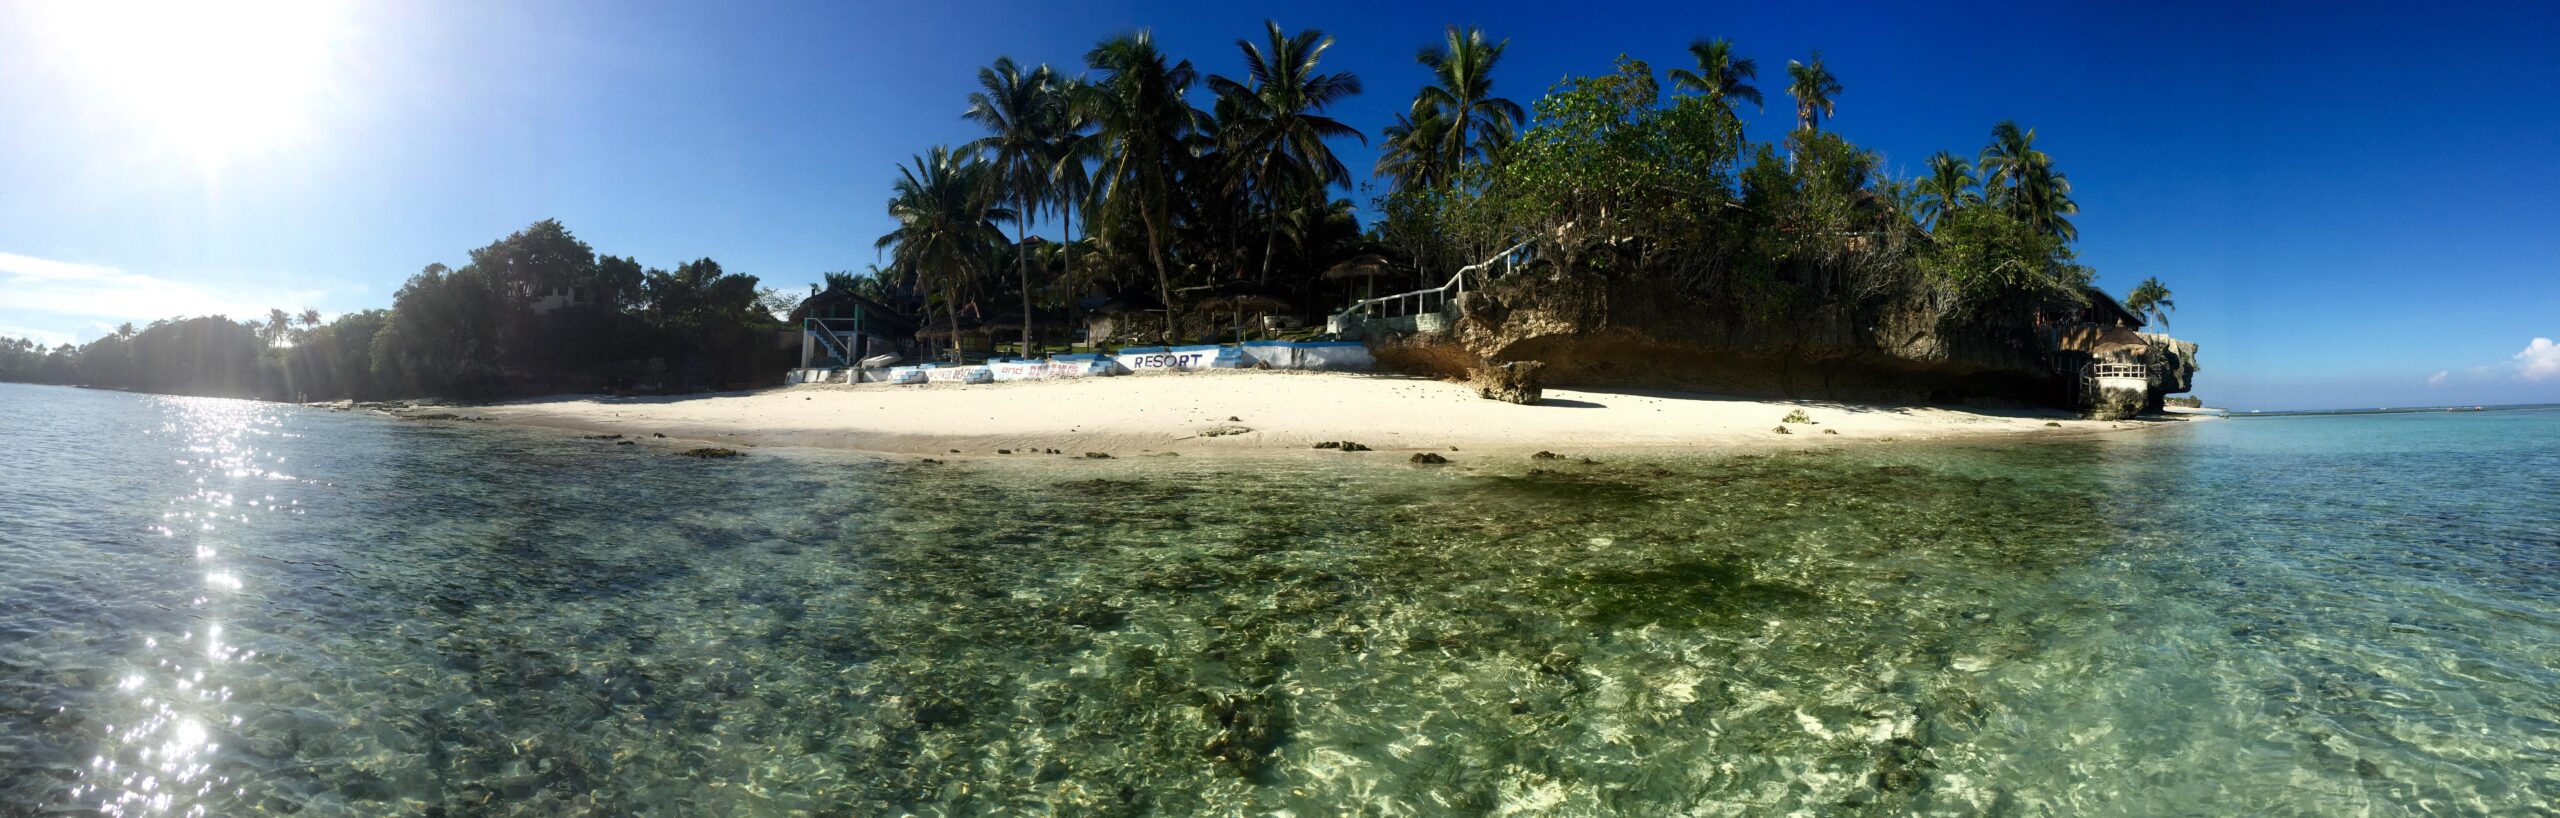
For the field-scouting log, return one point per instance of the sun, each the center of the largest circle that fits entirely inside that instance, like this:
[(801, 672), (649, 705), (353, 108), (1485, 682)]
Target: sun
[(212, 79)]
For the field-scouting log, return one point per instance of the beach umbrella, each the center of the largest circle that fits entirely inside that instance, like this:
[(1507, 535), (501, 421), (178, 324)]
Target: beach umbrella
[(1128, 302), (1042, 321), (1369, 266), (1365, 265), (1239, 296)]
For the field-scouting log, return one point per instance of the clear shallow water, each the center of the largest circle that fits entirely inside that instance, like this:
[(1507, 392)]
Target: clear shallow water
[(227, 608)]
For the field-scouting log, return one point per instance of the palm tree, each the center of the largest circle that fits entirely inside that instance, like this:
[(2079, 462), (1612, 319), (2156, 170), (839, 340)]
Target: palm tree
[(1813, 87), (1461, 95), (1020, 111), (277, 326), (2021, 179), (1279, 128), (1948, 188), (947, 217), (2008, 155), (1721, 78), (1071, 152), (1410, 157), (2151, 299), (2044, 201), (310, 319), (1142, 122)]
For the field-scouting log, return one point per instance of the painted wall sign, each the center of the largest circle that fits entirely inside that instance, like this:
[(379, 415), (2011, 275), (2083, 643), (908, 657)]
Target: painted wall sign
[(1045, 370), (1163, 360), (959, 374)]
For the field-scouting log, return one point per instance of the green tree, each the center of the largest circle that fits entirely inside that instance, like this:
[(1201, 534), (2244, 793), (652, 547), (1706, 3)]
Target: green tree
[(445, 336), (1071, 154), (1143, 123), (1476, 123), (1722, 78), (542, 258), (1608, 179), (2151, 299), (1949, 186), (1410, 156), (1278, 133), (1813, 87), (700, 297), (278, 327), (1022, 113), (2021, 179), (948, 220)]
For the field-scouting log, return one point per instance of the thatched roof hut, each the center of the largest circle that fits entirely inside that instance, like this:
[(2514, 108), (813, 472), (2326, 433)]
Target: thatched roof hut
[(2105, 310)]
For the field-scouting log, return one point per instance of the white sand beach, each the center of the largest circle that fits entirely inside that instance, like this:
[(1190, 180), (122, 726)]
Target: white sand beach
[(1251, 411)]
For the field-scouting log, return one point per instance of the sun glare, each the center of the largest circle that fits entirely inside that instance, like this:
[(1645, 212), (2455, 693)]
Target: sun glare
[(213, 79)]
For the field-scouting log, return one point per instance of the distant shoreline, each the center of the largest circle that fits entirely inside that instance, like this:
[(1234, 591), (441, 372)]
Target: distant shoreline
[(2413, 410), (1238, 412)]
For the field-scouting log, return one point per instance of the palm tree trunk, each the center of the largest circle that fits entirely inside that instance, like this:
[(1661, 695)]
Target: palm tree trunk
[(1164, 280), (1270, 239), (1022, 262), (951, 308), (1075, 297)]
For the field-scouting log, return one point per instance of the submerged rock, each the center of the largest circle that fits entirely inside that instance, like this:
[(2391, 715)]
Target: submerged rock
[(1248, 727), (1097, 455), (1225, 430), (1429, 457), (1546, 456), (1902, 769), (709, 452)]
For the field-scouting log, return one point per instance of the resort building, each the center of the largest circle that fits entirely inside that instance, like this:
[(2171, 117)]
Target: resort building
[(838, 329), (546, 300)]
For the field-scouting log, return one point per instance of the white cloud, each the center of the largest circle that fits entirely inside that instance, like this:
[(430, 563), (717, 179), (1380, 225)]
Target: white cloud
[(2438, 379), (35, 285), (45, 337), (2540, 360)]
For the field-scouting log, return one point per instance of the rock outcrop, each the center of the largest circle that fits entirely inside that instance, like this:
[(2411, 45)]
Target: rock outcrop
[(1511, 382), (1893, 346)]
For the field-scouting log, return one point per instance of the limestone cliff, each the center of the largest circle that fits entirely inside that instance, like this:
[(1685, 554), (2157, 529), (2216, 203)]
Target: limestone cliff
[(1903, 347)]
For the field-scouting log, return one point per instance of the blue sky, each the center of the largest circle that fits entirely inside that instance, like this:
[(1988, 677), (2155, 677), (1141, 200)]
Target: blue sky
[(2354, 204)]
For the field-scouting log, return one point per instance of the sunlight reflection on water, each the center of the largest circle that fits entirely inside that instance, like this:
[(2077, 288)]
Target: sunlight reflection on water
[(437, 618), (164, 759)]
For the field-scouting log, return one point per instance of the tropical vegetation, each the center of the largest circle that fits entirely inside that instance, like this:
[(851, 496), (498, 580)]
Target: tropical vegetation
[(2150, 300), (481, 330), (1170, 188)]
